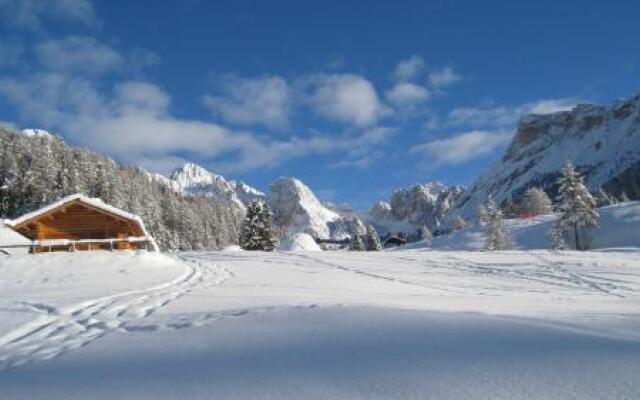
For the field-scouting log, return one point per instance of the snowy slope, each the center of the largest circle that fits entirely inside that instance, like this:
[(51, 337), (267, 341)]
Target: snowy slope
[(10, 238), (619, 228), (337, 325), (296, 209), (603, 142), (299, 242)]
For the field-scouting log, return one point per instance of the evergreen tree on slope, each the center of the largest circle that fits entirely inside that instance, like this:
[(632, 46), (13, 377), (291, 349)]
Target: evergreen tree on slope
[(511, 209), (372, 240), (577, 206), (537, 202), (497, 235), (256, 228)]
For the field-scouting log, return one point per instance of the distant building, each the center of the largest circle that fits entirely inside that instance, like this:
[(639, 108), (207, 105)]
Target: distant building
[(79, 223), (394, 241)]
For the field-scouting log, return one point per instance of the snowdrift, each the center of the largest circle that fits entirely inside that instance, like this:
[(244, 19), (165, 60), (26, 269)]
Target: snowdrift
[(299, 242), (619, 228)]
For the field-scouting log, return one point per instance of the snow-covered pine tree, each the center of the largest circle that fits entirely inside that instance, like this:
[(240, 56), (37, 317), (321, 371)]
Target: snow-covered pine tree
[(624, 198), (510, 207), (536, 202), (357, 242), (497, 235), (482, 215), (4, 200), (458, 223), (556, 236), (602, 198), (256, 228), (372, 239), (577, 206)]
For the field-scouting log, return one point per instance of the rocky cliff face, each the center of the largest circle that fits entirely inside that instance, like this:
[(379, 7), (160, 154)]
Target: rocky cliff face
[(410, 208), (296, 209), (195, 180), (602, 141)]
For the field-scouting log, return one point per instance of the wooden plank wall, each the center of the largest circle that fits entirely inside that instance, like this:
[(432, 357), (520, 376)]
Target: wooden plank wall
[(78, 221)]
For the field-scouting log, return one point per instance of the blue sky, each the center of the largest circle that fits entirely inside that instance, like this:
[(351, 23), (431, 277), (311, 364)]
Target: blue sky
[(354, 98)]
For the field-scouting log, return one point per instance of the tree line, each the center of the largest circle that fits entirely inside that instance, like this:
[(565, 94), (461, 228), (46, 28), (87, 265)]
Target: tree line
[(38, 170)]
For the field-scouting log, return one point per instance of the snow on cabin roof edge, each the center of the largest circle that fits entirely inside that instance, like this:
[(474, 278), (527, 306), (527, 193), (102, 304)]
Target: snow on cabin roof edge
[(95, 202)]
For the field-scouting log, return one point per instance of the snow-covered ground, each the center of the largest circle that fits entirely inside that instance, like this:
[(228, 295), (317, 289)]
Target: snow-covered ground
[(321, 325)]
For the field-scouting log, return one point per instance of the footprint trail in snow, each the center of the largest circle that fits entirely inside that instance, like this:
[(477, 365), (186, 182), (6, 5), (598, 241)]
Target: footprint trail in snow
[(69, 328)]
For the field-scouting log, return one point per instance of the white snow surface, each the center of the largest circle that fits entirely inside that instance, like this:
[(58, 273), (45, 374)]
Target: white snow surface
[(619, 228), (332, 325), (36, 132), (299, 242), (10, 238)]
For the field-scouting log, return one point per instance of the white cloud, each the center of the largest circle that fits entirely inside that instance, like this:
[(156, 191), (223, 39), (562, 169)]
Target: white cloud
[(49, 98), (506, 116), (443, 77), (265, 101), (78, 54), (30, 14), (405, 94), (409, 69), (461, 148), (134, 125), (346, 98)]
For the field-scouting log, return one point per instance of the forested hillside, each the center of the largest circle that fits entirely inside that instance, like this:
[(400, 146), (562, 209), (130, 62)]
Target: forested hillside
[(39, 169)]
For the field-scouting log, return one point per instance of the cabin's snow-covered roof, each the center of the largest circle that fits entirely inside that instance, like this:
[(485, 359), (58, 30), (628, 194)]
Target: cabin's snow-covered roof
[(93, 202)]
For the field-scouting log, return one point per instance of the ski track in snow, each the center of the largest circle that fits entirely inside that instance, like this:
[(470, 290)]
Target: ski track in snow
[(58, 331), (72, 327)]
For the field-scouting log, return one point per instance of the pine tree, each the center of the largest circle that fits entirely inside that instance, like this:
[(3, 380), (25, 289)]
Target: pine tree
[(577, 206), (510, 207), (602, 198), (556, 235), (256, 228), (372, 239), (482, 215), (624, 198), (536, 202), (357, 242), (4, 200), (497, 235)]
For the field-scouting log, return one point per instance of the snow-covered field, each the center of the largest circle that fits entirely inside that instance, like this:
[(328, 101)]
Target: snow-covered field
[(321, 325)]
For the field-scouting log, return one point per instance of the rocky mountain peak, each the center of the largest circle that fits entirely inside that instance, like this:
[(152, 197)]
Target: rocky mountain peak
[(602, 141)]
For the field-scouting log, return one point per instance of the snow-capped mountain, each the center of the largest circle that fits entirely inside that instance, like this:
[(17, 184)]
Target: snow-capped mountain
[(296, 209), (602, 141), (37, 132), (195, 180), (410, 208)]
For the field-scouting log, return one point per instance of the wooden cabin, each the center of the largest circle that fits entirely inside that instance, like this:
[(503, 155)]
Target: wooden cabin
[(79, 223)]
